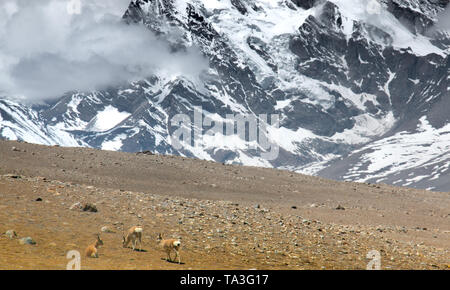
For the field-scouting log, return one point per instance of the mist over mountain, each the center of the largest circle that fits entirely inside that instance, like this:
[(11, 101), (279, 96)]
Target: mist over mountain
[(47, 51), (361, 87)]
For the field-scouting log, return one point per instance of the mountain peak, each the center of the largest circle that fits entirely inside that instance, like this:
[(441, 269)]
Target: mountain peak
[(349, 89)]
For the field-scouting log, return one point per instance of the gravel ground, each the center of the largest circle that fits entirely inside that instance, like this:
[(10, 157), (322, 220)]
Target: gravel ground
[(228, 217)]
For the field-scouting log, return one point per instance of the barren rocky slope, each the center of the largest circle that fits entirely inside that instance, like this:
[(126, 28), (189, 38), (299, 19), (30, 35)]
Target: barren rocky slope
[(229, 217)]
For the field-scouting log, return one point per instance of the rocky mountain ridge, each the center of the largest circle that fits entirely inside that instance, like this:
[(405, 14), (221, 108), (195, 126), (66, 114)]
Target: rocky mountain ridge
[(361, 90)]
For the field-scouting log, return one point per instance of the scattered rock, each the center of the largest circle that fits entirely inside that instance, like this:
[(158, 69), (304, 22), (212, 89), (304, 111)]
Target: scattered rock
[(305, 221), (76, 205), (218, 225), (106, 229), (11, 234), (89, 207), (15, 149), (145, 153), (27, 241), (14, 176)]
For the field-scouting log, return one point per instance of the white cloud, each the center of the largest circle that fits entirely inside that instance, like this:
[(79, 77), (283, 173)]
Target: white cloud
[(45, 51)]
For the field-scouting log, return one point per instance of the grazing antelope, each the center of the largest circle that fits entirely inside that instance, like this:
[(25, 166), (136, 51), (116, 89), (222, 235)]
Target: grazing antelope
[(91, 250), (134, 234), (169, 245)]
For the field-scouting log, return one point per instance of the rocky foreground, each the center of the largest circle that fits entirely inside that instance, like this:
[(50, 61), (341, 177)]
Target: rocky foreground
[(298, 232)]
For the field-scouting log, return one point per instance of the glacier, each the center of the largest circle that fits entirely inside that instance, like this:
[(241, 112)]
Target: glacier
[(362, 95)]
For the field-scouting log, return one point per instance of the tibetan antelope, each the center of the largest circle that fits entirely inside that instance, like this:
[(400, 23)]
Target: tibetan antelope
[(134, 234), (170, 245), (91, 250)]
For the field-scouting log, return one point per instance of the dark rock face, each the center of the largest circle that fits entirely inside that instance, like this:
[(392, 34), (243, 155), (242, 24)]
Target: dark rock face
[(331, 81), (305, 4), (239, 6), (418, 15), (260, 48), (134, 13), (331, 16), (419, 23)]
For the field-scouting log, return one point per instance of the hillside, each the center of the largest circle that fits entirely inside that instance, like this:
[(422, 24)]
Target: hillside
[(228, 217)]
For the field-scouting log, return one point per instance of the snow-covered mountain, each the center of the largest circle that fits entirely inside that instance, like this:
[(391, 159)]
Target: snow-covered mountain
[(361, 88)]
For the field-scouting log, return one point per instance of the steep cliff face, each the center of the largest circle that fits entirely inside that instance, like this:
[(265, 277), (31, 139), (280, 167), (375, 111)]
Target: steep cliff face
[(346, 81), (418, 15)]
